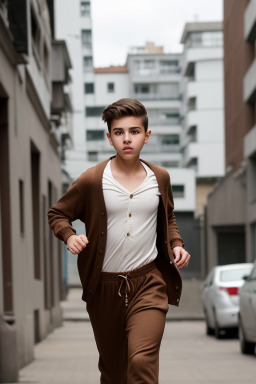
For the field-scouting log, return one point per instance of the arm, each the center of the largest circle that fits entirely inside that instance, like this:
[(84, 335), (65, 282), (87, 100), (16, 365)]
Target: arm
[(181, 256), (173, 230), (69, 207)]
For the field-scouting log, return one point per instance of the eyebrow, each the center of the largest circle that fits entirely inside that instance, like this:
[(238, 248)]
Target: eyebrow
[(114, 129)]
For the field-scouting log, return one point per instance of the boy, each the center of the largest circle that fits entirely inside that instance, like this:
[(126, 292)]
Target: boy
[(128, 262)]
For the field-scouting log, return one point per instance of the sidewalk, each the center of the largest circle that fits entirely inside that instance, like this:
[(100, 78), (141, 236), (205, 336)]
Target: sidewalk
[(69, 356)]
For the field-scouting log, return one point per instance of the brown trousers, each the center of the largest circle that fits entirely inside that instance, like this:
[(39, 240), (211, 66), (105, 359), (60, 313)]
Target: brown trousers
[(128, 314)]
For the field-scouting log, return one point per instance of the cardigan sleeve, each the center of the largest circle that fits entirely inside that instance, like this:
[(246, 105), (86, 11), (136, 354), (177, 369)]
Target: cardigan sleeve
[(173, 230), (70, 207)]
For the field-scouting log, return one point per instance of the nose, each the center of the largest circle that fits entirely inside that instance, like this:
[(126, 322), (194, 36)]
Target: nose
[(127, 138)]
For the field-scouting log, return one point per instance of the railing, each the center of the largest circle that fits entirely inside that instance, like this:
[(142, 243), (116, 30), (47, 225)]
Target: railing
[(155, 96)]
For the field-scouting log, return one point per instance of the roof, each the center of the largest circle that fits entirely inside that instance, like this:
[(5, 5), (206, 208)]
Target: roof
[(200, 26), (112, 69)]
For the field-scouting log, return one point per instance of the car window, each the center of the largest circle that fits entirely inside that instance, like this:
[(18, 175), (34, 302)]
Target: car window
[(234, 274)]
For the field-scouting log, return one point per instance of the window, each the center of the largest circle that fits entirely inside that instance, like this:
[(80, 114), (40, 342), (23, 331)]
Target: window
[(94, 111), (111, 87), (142, 88), (94, 135), (170, 117), (149, 64), (178, 190), (89, 88), (87, 62), (171, 139), (35, 31), (234, 274), (93, 156), (253, 237), (21, 194), (169, 66), (170, 164), (86, 38), (192, 103), (85, 8), (205, 39), (46, 59), (252, 173)]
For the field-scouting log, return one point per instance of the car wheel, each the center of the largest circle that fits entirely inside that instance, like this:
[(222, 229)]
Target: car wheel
[(209, 330), (217, 329), (246, 347)]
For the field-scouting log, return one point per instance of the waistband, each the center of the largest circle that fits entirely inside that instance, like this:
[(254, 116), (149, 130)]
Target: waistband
[(133, 273)]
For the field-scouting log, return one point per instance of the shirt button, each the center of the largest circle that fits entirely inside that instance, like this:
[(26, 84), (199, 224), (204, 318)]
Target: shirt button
[(177, 287), (130, 215), (97, 267), (131, 196), (102, 213), (102, 233), (128, 234), (100, 251)]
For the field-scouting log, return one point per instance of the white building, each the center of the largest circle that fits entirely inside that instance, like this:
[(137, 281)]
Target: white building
[(110, 84), (203, 104), (77, 32), (155, 80)]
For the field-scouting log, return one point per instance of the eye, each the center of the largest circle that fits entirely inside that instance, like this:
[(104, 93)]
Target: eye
[(118, 133), (135, 131)]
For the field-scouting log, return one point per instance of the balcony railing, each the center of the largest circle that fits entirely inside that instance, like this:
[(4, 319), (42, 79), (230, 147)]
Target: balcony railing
[(155, 96)]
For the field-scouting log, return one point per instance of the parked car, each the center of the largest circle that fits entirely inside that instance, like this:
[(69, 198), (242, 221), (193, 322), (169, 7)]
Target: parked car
[(247, 314), (220, 297)]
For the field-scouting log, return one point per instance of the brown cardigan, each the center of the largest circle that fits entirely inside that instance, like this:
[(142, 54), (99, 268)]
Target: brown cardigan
[(85, 201)]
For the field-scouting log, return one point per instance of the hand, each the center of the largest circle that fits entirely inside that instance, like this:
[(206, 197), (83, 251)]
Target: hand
[(181, 256), (76, 243)]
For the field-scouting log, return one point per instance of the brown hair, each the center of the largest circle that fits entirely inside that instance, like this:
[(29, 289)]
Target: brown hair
[(125, 107)]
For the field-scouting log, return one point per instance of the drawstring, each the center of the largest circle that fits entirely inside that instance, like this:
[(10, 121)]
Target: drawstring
[(128, 281)]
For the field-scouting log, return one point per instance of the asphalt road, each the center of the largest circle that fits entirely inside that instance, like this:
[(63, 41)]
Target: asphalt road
[(69, 356)]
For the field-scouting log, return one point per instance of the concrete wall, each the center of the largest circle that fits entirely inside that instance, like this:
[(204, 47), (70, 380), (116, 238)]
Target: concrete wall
[(27, 122), (226, 207)]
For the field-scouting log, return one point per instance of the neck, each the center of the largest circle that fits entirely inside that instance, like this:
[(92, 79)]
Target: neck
[(128, 166)]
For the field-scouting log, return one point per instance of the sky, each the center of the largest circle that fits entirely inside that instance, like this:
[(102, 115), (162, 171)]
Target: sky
[(120, 24)]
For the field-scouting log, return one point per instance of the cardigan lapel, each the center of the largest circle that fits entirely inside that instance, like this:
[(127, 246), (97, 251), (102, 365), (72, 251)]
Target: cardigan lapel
[(99, 169)]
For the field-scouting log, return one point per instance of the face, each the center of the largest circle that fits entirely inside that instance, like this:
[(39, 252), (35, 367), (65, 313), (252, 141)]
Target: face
[(128, 136)]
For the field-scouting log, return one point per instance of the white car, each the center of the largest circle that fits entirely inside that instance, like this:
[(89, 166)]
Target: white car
[(220, 296), (247, 314)]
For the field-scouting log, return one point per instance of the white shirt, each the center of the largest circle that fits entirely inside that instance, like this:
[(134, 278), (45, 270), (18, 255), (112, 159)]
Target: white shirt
[(131, 224)]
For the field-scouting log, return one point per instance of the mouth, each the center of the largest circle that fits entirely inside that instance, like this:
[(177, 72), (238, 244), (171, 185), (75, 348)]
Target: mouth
[(127, 149)]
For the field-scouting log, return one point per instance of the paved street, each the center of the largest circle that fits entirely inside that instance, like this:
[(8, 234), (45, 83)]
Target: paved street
[(69, 356)]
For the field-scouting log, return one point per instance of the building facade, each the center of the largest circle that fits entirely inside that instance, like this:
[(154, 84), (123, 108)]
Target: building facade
[(77, 32), (31, 261), (203, 105), (231, 208)]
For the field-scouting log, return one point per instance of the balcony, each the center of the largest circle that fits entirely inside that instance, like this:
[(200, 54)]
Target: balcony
[(250, 84), (193, 55), (155, 96), (161, 148), (250, 22)]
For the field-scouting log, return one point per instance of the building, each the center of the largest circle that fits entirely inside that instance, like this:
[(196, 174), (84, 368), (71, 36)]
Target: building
[(231, 208), (34, 110), (155, 80), (78, 36), (203, 135)]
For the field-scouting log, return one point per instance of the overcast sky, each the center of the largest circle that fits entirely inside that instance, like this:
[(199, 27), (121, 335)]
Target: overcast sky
[(119, 24)]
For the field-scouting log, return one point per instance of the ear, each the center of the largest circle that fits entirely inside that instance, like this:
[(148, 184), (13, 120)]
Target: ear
[(148, 134), (109, 138)]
